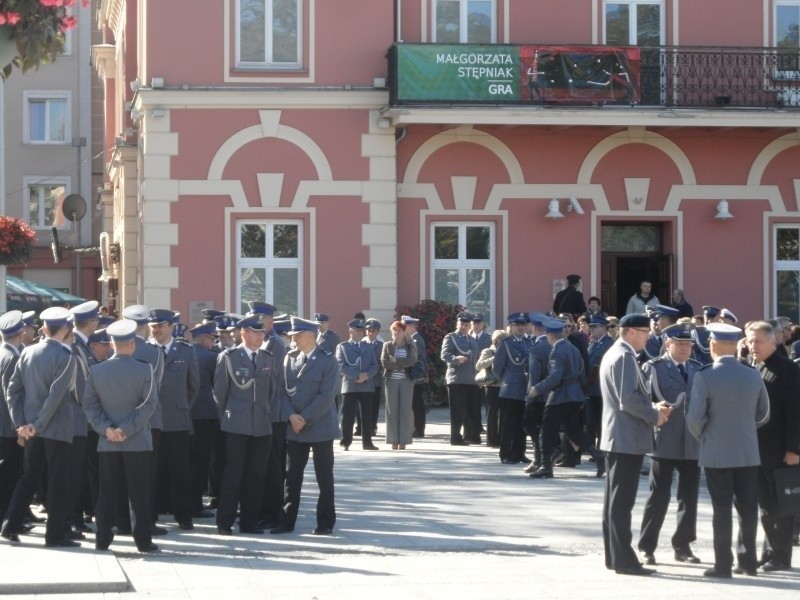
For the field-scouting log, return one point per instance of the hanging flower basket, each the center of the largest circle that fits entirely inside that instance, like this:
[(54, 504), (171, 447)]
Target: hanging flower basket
[(16, 241), (32, 32)]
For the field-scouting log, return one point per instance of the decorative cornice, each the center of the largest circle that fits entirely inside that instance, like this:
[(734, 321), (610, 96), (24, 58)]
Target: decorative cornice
[(222, 97), (111, 13), (104, 61)]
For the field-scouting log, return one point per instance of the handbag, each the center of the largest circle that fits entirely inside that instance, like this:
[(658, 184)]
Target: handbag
[(787, 490), (486, 377)]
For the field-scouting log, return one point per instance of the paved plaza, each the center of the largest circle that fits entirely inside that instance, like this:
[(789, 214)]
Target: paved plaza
[(433, 521)]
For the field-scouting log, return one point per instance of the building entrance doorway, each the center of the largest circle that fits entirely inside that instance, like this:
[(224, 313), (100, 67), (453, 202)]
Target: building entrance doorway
[(632, 253)]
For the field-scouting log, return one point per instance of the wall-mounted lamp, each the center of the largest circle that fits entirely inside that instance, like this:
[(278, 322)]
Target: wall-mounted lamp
[(554, 210), (575, 205), (722, 211)]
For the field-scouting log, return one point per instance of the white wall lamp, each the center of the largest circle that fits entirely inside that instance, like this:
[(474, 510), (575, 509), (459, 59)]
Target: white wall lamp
[(554, 210), (723, 214)]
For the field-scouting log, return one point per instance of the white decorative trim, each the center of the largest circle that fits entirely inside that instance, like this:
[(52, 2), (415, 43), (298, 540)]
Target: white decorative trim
[(260, 98), (769, 152)]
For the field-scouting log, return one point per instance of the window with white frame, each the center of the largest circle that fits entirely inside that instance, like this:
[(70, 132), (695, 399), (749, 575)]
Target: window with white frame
[(43, 197), (47, 117), (268, 33), (464, 21), (633, 22), (786, 37), (270, 264), (463, 265), (787, 271)]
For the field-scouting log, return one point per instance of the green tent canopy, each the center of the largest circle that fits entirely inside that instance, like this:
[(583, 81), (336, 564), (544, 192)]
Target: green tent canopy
[(23, 294)]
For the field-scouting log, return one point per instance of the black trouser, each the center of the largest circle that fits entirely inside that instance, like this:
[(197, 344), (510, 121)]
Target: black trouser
[(123, 516), (512, 436), (568, 415), (532, 419), (77, 461), (376, 405), (11, 454), (128, 471), (91, 474), (655, 510), (492, 395), (734, 487), (272, 506), (297, 458), (217, 466), (594, 417), (174, 459), (243, 479), (778, 529), (472, 416), (352, 402), (41, 453), (418, 407), (458, 395), (622, 483), (202, 446)]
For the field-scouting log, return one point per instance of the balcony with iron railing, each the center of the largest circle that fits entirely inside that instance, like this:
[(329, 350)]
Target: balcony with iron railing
[(664, 77)]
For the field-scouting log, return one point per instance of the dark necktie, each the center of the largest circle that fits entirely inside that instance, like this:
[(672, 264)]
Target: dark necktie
[(683, 372), (253, 359), (164, 351)]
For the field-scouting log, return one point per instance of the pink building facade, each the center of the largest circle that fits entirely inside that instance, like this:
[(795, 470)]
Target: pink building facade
[(278, 153)]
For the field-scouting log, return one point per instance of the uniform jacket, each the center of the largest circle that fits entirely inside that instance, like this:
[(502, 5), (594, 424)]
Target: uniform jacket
[(511, 366), (310, 392), (564, 375), (422, 351), (328, 341), (121, 392), (355, 358), (81, 375), (244, 393), (652, 349), (9, 355), (148, 353), (401, 363), (538, 358), (781, 434), (701, 351), (595, 352), (204, 406), (728, 402), (569, 300), (179, 385), (453, 346), (628, 413), (484, 340), (673, 439), (42, 389), (276, 346), (377, 348)]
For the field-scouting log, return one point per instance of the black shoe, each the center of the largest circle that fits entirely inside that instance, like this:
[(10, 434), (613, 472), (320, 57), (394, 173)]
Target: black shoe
[(156, 530), (600, 463), (202, 514), (8, 535), (557, 458), (371, 447), (74, 535), (648, 558), (31, 518), (542, 473), (637, 570), (686, 556), (266, 524), (82, 527), (65, 543), (151, 547), (524, 459), (531, 468), (224, 531), (742, 571), (474, 441), (458, 443), (26, 527), (213, 503), (717, 574), (186, 525), (323, 531), (281, 529), (101, 547), (253, 530), (774, 565), (125, 531), (508, 461), (357, 432)]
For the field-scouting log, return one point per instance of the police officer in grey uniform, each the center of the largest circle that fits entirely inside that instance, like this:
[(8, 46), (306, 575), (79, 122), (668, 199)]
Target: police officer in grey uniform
[(311, 377), (460, 353), (244, 385), (357, 366), (11, 326), (418, 400), (39, 397), (676, 450), (538, 357), (177, 393), (728, 403), (120, 398)]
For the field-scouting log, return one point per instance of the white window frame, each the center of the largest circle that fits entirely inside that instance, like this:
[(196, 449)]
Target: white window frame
[(268, 62), (270, 263), (46, 95), (784, 73), (463, 15), (462, 263), (633, 28), (43, 180), (782, 265)]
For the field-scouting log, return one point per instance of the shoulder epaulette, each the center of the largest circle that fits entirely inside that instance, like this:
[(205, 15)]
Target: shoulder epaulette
[(183, 342), (695, 361), (706, 366)]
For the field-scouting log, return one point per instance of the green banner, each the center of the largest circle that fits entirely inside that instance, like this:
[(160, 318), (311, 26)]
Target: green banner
[(440, 73)]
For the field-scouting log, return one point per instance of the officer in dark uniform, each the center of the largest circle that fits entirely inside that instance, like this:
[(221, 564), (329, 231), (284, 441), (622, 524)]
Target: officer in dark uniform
[(209, 314), (311, 377), (418, 401), (40, 396), (225, 339), (244, 385), (538, 358), (373, 332), (570, 299), (11, 327), (599, 344), (670, 377), (460, 353), (120, 398), (702, 351), (177, 393), (326, 339)]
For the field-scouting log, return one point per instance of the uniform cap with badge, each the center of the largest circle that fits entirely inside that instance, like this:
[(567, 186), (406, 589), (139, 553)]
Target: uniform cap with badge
[(204, 329), (100, 336), (29, 318), (11, 323), (209, 314), (356, 324), (407, 320), (553, 325), (85, 312), (372, 324), (517, 318), (281, 326), (252, 323), (321, 318), (261, 308), (680, 331), (223, 322), (55, 316), (598, 321), (122, 331), (537, 318), (161, 315), (477, 318), (464, 317), (300, 325), (726, 314), (710, 311), (724, 332), (137, 312), (667, 311)]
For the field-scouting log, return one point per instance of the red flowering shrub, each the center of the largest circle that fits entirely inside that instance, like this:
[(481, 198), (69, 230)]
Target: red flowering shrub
[(16, 239), (436, 320)]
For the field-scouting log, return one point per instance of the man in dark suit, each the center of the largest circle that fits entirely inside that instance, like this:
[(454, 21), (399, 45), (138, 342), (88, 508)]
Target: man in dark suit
[(509, 366), (40, 396), (177, 393), (11, 326), (570, 299), (728, 403), (311, 377), (120, 398), (778, 440), (670, 378), (244, 384), (628, 420)]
